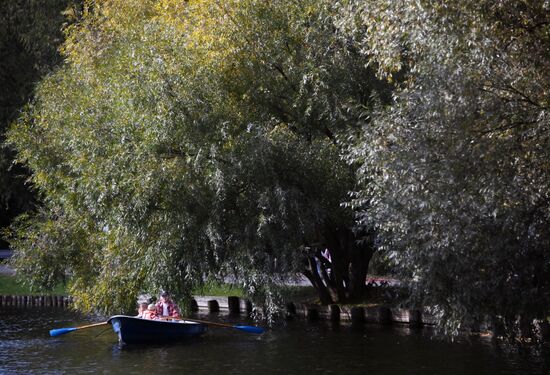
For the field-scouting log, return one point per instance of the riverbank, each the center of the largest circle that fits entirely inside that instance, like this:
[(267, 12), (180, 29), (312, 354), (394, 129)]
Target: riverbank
[(238, 306), (225, 298)]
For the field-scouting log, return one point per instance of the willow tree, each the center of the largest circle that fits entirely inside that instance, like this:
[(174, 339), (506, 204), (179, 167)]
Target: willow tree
[(456, 172), (187, 140)]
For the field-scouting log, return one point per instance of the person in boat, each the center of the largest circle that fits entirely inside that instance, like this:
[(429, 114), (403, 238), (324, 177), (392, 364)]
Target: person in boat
[(166, 307), (142, 308), (150, 312)]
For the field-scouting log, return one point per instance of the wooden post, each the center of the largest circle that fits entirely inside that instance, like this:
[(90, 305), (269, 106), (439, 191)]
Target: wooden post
[(357, 315), (334, 311), (291, 308), (194, 305), (213, 306), (246, 305), (312, 313), (384, 315), (415, 318), (234, 305)]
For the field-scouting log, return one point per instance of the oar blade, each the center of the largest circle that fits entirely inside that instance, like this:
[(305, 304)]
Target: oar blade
[(250, 329), (61, 331)]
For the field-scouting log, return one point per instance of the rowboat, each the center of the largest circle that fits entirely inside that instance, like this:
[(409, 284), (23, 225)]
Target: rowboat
[(135, 330), (131, 330)]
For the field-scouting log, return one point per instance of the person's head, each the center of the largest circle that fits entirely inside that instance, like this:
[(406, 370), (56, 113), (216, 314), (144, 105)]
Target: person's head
[(143, 306), (151, 307), (165, 297)]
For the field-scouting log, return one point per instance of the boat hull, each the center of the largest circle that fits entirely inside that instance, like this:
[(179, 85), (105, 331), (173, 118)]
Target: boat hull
[(131, 330)]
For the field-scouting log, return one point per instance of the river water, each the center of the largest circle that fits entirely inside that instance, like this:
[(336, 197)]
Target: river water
[(294, 347)]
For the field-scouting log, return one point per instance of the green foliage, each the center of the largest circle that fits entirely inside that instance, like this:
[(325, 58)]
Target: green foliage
[(185, 141), (456, 174), (181, 143)]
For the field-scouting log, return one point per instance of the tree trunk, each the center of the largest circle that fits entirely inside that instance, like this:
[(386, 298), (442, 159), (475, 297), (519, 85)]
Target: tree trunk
[(311, 272), (362, 253), (341, 277)]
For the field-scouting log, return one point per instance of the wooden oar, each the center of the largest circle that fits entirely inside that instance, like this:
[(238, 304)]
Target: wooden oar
[(62, 331), (248, 329)]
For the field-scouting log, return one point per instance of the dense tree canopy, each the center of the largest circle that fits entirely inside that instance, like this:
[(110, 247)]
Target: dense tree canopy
[(183, 140), (456, 172), (189, 140)]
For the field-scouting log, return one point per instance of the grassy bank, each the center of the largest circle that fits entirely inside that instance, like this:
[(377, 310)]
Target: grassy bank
[(289, 293), (215, 289), (9, 285)]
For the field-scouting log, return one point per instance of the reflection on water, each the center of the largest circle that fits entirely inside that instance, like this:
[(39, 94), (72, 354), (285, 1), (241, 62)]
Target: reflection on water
[(289, 348)]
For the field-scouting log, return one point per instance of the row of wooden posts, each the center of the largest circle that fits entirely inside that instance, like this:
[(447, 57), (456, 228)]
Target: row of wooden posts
[(236, 305), (35, 301), (354, 314)]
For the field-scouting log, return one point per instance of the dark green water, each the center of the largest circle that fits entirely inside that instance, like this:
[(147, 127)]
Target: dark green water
[(295, 347)]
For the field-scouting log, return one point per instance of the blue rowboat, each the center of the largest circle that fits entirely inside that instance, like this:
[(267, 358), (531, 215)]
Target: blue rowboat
[(131, 330)]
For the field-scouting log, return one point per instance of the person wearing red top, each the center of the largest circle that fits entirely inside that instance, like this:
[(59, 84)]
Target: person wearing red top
[(166, 307)]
